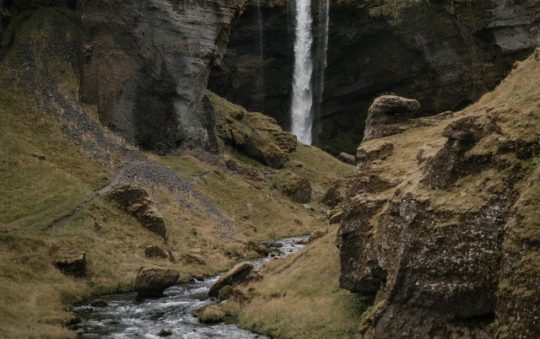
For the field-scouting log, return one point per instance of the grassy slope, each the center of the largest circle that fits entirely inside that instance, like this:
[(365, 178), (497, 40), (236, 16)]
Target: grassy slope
[(300, 297), (44, 176)]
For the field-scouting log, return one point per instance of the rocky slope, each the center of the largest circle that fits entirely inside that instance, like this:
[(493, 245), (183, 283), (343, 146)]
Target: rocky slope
[(445, 53), (440, 224)]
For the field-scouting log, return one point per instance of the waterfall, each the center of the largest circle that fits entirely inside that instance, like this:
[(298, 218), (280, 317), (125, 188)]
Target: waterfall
[(302, 96), (320, 68), (260, 80)]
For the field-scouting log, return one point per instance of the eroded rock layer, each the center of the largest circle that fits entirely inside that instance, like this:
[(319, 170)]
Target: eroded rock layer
[(448, 246)]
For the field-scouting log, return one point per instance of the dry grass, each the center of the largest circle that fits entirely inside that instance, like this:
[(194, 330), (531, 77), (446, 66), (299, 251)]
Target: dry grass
[(300, 297)]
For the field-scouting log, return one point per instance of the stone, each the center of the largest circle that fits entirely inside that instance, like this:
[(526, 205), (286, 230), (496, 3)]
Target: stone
[(191, 258), (135, 201), (165, 333), (347, 158), (99, 303), (233, 277), (211, 314), (366, 156), (297, 188), (263, 149), (151, 282), (387, 115), (332, 197), (72, 265), (155, 252)]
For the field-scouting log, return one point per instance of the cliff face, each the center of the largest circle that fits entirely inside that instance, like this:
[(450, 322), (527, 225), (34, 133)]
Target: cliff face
[(145, 64), (440, 227), (444, 53)]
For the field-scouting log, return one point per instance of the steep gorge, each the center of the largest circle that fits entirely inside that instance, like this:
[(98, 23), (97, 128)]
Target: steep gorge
[(444, 53)]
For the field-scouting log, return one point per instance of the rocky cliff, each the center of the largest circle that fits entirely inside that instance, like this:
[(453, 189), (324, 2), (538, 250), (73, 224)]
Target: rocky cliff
[(145, 65), (440, 225), (445, 53)]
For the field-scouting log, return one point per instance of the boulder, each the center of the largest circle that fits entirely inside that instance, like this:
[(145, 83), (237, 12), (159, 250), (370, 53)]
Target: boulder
[(233, 277), (387, 115), (211, 314), (332, 197), (193, 259), (264, 150), (297, 188), (155, 252), (151, 282), (347, 158), (72, 265), (135, 201)]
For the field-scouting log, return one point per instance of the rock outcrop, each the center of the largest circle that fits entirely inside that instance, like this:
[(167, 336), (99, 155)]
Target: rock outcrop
[(445, 242), (387, 114), (73, 265), (446, 54), (146, 64), (151, 282), (135, 201), (233, 277)]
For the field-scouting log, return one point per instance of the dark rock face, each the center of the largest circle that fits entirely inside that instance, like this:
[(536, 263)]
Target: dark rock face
[(446, 54), (151, 282), (146, 64)]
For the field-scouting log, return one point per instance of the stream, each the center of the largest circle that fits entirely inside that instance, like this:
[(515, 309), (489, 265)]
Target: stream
[(126, 317)]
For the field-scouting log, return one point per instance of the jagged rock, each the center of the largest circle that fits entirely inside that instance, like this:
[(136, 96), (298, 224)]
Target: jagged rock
[(234, 276), (347, 158), (151, 282), (366, 156), (297, 188), (336, 217), (211, 314), (72, 265), (135, 201), (263, 149), (190, 258), (155, 252), (165, 333), (387, 115), (332, 197), (446, 246)]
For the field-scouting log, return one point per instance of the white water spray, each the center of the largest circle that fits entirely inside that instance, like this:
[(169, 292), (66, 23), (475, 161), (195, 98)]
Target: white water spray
[(302, 96)]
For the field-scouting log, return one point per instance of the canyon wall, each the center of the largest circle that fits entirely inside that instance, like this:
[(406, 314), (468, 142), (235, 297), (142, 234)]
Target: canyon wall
[(145, 64), (444, 53)]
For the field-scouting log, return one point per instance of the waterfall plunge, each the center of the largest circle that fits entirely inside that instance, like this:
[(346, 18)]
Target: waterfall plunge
[(260, 80), (302, 96)]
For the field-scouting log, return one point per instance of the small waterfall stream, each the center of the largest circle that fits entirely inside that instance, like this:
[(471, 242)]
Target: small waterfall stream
[(302, 96), (260, 80), (323, 28)]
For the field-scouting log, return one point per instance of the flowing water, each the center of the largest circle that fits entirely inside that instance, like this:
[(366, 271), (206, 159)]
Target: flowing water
[(302, 96), (125, 317), (260, 82), (323, 28)]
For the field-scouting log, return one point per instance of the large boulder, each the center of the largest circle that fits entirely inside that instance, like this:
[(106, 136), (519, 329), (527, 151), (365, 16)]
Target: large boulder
[(151, 282), (387, 115), (135, 201), (233, 277)]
